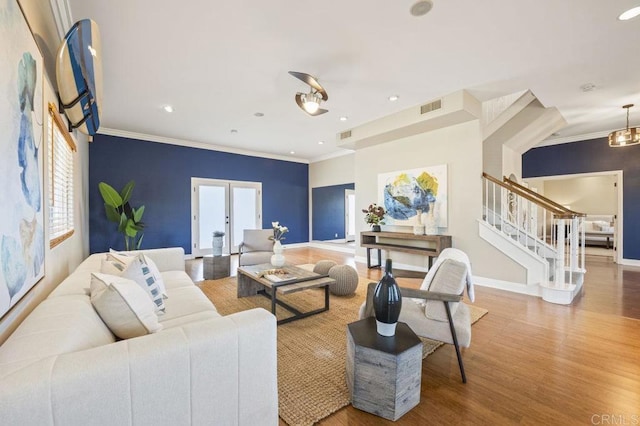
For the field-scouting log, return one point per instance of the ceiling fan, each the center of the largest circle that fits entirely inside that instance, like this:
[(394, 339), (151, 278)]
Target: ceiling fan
[(310, 102)]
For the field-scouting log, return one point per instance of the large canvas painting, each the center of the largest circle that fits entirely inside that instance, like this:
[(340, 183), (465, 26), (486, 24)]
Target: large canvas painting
[(21, 142), (415, 196)]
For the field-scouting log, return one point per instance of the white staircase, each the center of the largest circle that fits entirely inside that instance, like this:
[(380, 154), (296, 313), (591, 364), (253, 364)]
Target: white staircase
[(537, 233)]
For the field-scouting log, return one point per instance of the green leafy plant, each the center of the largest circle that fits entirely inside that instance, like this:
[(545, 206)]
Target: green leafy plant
[(118, 209)]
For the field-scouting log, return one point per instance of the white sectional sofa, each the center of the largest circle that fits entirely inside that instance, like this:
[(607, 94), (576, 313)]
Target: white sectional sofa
[(63, 366)]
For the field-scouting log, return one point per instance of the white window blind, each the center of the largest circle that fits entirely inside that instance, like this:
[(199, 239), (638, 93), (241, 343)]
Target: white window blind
[(61, 149)]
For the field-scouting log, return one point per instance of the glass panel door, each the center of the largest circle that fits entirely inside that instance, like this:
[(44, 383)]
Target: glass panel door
[(227, 206), (245, 210)]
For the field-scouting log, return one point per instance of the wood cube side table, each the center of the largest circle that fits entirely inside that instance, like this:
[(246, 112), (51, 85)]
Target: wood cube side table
[(215, 267), (383, 373)]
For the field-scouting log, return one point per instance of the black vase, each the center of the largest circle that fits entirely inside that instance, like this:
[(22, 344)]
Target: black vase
[(376, 228), (387, 302)]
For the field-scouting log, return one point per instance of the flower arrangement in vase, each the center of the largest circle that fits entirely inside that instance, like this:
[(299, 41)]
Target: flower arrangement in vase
[(374, 216), (278, 259)]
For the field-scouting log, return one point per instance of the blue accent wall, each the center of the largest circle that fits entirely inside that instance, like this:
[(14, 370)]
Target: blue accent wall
[(163, 173), (328, 211), (595, 156)]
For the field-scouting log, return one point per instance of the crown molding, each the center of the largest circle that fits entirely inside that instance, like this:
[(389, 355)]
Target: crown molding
[(62, 16), (576, 138), (200, 145), (331, 155)]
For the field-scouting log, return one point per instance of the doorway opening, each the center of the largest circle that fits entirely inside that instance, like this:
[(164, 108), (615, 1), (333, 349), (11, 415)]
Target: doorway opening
[(350, 215), (599, 196)]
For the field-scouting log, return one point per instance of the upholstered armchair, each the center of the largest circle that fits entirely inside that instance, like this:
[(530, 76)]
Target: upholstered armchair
[(256, 247), (436, 313)]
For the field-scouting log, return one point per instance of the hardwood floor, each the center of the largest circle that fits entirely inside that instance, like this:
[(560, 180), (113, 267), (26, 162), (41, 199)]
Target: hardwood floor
[(530, 362)]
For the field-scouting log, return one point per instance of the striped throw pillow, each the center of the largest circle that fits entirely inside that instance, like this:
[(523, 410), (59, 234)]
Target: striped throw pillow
[(136, 268)]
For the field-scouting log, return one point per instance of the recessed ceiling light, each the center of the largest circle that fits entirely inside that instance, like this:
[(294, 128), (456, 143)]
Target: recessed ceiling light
[(321, 143), (588, 87), (168, 108), (259, 114), (421, 7), (393, 98), (344, 118), (234, 130), (629, 14), (292, 152)]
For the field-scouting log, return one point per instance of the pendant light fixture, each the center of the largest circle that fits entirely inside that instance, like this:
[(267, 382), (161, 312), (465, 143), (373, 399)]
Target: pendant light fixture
[(625, 137)]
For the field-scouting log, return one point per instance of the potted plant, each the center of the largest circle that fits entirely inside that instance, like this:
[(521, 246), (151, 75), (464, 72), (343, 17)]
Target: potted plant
[(118, 209), (374, 216)]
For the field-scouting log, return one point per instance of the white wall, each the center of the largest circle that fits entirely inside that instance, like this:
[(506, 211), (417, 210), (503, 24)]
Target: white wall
[(511, 163), (590, 194), (64, 258), (460, 147), (335, 171)]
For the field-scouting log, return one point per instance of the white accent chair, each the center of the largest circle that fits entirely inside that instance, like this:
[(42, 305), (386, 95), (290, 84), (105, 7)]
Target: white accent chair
[(443, 317), (256, 247)]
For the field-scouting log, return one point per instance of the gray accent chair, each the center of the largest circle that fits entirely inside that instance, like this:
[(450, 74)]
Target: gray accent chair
[(443, 317), (256, 247)]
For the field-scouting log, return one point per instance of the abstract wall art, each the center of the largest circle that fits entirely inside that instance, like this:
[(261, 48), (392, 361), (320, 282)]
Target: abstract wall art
[(21, 142), (415, 196)]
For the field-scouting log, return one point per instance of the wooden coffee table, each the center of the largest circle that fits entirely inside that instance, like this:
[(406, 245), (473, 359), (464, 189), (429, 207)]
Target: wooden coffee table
[(250, 283)]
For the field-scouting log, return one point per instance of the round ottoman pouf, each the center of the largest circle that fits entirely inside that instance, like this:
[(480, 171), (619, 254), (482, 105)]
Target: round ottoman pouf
[(323, 267), (346, 280)]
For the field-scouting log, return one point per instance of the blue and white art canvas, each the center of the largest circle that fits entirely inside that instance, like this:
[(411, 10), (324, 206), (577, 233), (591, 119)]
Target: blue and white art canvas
[(416, 196), (21, 150)]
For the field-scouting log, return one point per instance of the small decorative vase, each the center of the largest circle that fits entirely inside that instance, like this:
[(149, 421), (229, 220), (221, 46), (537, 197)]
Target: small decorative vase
[(217, 246), (430, 227), (419, 228), (375, 228), (387, 302), (277, 259)]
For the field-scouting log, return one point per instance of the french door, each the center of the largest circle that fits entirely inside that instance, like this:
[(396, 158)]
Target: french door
[(222, 205)]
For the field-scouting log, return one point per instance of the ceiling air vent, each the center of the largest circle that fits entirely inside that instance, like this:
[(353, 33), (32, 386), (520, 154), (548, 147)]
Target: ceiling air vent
[(345, 135), (433, 106)]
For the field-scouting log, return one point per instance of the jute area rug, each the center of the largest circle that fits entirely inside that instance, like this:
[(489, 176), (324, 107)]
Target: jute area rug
[(311, 352)]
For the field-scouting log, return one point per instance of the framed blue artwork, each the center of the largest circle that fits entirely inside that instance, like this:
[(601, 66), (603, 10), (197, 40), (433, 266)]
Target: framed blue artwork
[(21, 165), (416, 196)]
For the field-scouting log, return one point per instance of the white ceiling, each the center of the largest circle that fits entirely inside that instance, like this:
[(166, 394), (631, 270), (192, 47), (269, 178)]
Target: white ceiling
[(219, 62)]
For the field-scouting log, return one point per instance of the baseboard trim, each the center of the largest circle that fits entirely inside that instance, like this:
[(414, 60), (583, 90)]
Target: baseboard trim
[(191, 256), (513, 287), (332, 247), (295, 245), (630, 262)]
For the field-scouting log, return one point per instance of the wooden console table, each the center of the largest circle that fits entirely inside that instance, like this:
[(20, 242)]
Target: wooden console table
[(427, 245)]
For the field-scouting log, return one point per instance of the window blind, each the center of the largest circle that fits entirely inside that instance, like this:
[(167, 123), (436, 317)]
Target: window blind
[(61, 149)]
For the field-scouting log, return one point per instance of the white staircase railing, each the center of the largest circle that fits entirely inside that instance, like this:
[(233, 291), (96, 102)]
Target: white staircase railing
[(542, 226)]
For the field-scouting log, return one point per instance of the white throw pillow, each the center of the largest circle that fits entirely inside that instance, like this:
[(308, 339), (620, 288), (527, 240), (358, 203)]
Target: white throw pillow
[(123, 306), (122, 256), (137, 269)]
